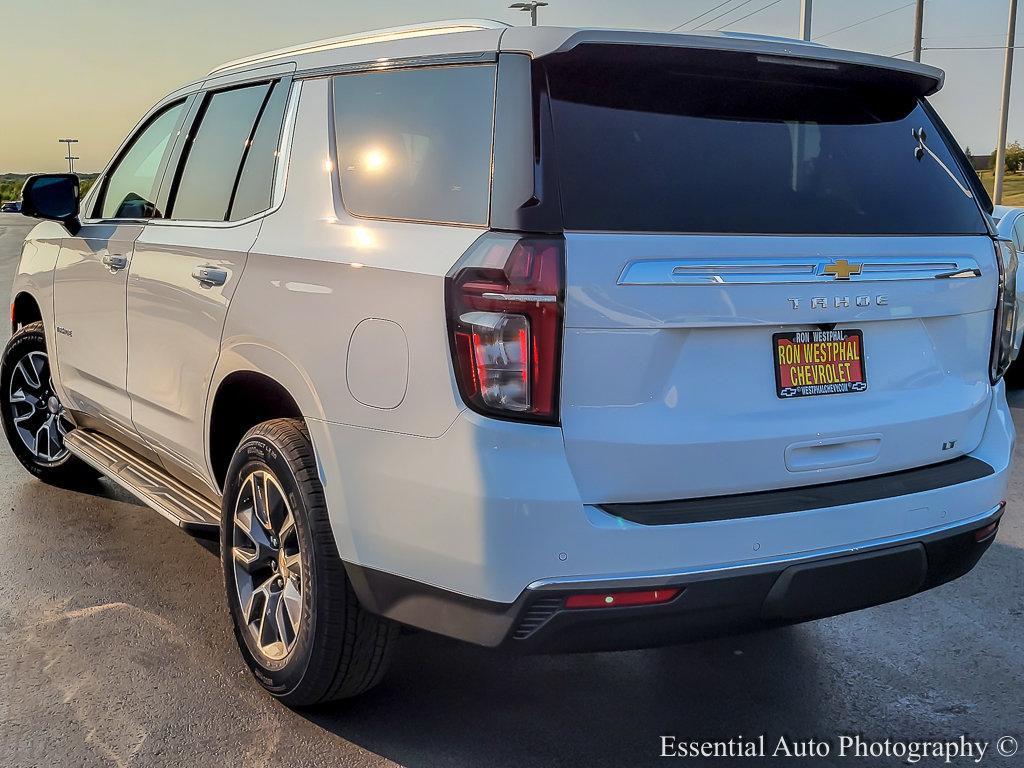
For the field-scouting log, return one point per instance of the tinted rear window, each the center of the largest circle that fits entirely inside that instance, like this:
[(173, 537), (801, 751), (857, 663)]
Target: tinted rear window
[(674, 140)]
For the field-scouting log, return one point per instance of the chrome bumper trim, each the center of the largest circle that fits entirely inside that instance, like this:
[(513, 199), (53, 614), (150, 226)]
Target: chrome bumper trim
[(664, 579)]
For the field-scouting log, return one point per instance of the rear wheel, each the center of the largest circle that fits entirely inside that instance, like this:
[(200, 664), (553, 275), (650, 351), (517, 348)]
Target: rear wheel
[(34, 419), (297, 620)]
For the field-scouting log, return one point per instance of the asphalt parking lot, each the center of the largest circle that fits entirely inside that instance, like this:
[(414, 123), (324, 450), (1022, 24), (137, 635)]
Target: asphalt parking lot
[(116, 649)]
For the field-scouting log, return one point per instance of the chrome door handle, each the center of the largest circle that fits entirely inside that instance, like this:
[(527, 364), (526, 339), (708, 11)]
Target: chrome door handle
[(114, 263), (210, 276)]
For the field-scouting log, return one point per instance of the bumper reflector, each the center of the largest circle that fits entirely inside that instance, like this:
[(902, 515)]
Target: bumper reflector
[(987, 532), (621, 599)]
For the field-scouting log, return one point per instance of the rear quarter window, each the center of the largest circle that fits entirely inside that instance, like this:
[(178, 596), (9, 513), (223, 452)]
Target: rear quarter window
[(416, 144)]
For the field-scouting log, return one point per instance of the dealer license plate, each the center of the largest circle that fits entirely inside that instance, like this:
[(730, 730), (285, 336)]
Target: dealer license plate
[(819, 363)]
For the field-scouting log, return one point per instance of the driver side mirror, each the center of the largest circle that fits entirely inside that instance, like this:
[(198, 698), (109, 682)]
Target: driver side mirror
[(52, 196)]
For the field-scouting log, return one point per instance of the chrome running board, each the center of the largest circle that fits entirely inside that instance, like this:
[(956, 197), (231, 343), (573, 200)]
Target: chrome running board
[(167, 495)]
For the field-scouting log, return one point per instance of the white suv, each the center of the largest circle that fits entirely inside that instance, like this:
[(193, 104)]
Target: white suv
[(540, 338)]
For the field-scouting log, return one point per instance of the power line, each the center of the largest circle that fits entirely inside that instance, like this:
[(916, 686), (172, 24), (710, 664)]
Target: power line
[(725, 13), (762, 8), (972, 48), (863, 21), (709, 10), (954, 48), (1000, 35)]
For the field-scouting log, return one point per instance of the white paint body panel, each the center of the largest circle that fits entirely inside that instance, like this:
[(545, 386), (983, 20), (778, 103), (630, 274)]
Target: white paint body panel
[(490, 507), (89, 303), (677, 383), (35, 278), (175, 326)]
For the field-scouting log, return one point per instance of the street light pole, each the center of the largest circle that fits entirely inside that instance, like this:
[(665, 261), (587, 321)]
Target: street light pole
[(532, 7), (1004, 109), (70, 158), (918, 28), (805, 19)]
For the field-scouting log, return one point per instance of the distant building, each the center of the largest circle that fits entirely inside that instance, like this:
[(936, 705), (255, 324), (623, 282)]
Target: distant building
[(981, 162)]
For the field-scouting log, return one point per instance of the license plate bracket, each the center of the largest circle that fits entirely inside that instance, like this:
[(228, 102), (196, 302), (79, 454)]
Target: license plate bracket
[(811, 363)]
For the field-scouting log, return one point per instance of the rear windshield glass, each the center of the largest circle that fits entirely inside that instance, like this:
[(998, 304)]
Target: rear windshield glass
[(677, 140)]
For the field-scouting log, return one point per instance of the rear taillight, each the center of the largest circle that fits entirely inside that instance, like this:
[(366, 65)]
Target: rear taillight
[(504, 304), (1003, 351)]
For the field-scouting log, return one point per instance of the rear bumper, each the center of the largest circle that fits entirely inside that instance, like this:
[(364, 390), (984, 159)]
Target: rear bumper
[(710, 602), (479, 533)]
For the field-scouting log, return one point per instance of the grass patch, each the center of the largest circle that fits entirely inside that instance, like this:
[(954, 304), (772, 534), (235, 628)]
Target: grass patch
[(11, 184), (1013, 187)]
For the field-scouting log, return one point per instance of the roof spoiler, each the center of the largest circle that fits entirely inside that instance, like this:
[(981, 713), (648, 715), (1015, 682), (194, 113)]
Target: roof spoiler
[(545, 41)]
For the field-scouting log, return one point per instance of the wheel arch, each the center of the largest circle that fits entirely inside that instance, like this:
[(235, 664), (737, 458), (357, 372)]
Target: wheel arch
[(25, 309), (253, 384)]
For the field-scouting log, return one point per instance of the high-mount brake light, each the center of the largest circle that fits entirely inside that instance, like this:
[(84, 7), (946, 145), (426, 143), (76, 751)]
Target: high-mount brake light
[(504, 304), (1003, 352)]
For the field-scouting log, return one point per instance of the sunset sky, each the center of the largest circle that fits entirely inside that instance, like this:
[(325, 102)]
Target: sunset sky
[(90, 68)]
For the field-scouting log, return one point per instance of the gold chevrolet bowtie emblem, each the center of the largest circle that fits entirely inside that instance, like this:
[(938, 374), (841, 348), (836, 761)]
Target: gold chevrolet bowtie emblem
[(841, 269)]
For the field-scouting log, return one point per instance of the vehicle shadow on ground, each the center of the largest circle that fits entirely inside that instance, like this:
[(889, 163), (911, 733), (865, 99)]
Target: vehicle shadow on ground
[(446, 703), (882, 670)]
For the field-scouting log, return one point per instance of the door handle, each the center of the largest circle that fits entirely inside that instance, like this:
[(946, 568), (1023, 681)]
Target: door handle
[(114, 263), (210, 276)]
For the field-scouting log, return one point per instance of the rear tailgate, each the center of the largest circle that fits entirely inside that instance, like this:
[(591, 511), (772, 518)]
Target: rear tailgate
[(669, 375), (777, 273)]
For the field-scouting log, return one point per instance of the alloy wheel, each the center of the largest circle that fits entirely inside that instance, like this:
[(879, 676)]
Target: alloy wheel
[(267, 565), (37, 415)]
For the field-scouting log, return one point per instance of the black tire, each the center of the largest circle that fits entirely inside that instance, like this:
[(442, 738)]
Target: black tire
[(339, 649), (64, 469)]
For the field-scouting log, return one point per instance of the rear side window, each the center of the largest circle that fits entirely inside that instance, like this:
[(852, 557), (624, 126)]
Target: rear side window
[(215, 153), (416, 144), (130, 191), (675, 140), (256, 182), (1018, 233)]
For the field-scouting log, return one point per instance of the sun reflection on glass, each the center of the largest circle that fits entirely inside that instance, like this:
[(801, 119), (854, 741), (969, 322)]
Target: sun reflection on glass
[(375, 160)]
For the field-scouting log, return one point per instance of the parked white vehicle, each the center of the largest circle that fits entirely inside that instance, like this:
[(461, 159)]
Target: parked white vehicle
[(450, 326), (1010, 226)]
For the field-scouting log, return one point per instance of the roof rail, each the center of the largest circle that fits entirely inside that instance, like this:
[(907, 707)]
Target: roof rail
[(423, 29)]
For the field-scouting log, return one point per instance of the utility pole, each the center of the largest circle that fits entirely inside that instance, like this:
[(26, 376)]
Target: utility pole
[(532, 7), (70, 158), (805, 19), (918, 28), (1004, 109)]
